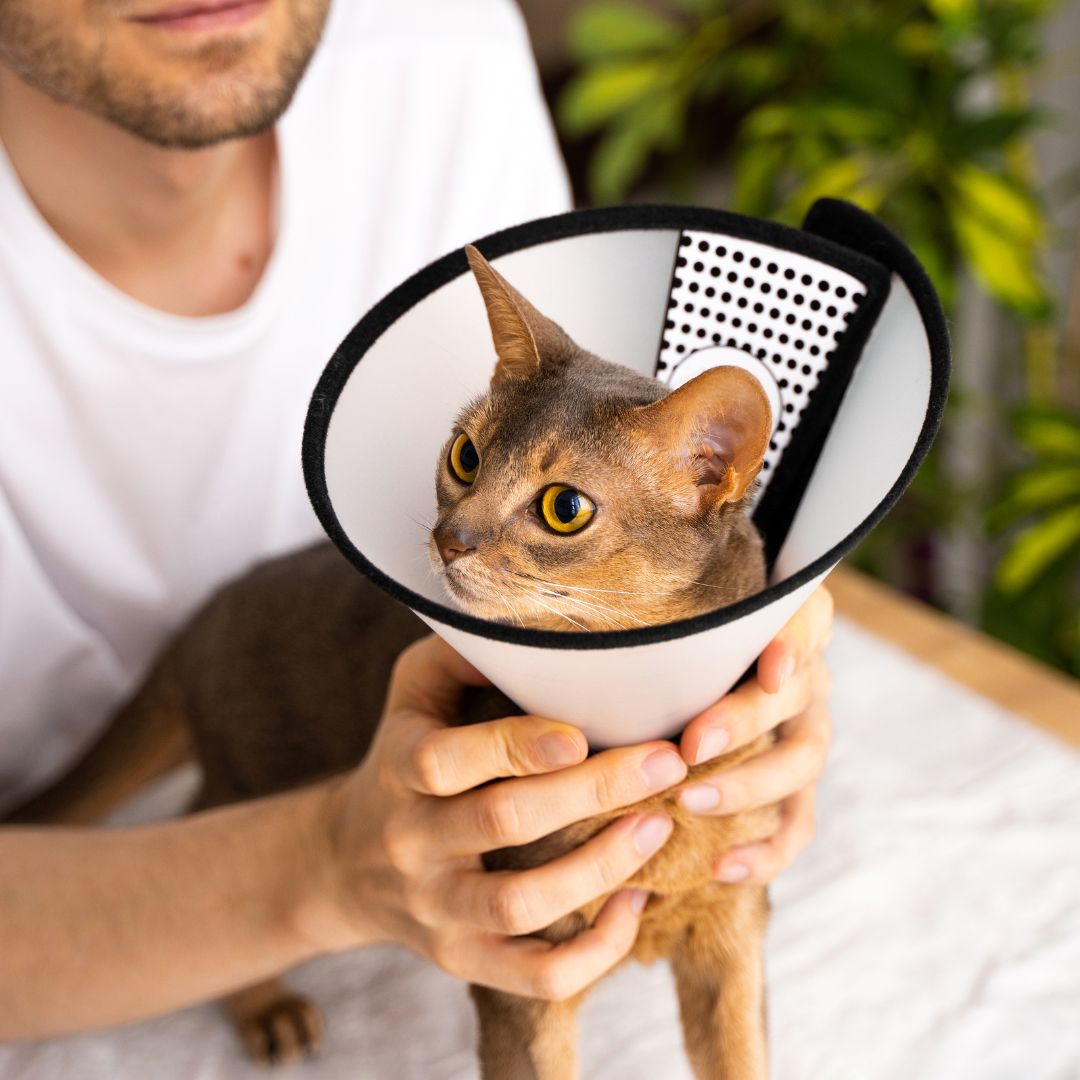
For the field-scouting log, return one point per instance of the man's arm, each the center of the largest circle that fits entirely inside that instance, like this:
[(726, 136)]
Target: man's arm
[(99, 927), (102, 927)]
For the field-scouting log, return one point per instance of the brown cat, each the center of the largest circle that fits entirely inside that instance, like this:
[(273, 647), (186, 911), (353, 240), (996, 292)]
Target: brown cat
[(575, 494)]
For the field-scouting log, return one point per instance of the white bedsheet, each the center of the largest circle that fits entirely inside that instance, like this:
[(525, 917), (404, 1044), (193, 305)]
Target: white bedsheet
[(932, 931)]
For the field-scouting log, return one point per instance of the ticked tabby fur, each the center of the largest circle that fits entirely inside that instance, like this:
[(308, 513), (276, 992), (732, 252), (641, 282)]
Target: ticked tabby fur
[(281, 678)]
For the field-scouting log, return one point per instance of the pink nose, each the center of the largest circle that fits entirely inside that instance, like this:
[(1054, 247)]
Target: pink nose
[(453, 544)]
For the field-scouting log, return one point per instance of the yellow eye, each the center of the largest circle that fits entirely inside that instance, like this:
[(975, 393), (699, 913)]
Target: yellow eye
[(464, 460), (565, 509)]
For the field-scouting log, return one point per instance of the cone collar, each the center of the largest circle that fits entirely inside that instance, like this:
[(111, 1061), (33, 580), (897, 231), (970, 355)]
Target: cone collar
[(660, 260)]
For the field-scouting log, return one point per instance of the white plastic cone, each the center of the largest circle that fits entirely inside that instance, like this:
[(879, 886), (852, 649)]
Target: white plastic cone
[(860, 422)]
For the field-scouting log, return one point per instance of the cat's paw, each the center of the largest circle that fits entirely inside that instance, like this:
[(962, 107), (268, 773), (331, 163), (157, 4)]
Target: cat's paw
[(282, 1031)]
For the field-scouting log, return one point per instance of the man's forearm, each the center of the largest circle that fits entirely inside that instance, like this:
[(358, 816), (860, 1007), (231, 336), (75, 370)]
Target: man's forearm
[(98, 927)]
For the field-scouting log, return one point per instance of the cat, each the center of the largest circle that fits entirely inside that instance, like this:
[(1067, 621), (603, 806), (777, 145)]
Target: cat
[(569, 482)]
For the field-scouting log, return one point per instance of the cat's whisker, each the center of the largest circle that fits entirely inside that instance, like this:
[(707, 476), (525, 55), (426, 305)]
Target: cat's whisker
[(425, 525), (628, 592), (589, 591), (601, 604), (582, 588), (513, 611), (604, 611), (533, 596), (562, 615), (692, 581)]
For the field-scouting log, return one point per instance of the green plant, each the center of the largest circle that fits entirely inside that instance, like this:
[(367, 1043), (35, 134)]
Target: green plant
[(881, 103), (1035, 601)]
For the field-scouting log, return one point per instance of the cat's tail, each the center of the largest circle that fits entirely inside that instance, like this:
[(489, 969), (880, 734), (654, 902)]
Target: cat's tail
[(146, 739)]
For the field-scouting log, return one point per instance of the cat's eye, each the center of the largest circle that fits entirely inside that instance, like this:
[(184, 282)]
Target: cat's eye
[(565, 509), (464, 460)]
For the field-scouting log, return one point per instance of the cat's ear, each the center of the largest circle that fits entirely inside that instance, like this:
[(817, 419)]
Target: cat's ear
[(524, 339), (717, 426)]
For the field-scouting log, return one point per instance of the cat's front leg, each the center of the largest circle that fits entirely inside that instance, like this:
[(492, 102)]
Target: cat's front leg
[(525, 1039), (719, 973)]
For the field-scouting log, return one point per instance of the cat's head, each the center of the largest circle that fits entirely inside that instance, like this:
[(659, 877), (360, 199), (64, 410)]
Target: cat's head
[(577, 494)]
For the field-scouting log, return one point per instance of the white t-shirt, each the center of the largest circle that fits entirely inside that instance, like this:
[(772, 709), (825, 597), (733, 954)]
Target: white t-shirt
[(145, 458)]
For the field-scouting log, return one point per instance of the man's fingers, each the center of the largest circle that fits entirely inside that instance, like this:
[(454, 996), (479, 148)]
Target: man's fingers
[(450, 760), (750, 711), (759, 863), (804, 635), (523, 902), (519, 811), (794, 762), (534, 968)]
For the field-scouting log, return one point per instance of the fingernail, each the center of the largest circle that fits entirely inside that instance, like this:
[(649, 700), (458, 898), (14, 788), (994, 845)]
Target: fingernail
[(712, 745), (650, 834), (700, 798), (733, 872), (786, 672), (557, 749), (663, 769), (638, 899)]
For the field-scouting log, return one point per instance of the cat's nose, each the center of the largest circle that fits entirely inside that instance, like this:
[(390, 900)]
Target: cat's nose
[(453, 543)]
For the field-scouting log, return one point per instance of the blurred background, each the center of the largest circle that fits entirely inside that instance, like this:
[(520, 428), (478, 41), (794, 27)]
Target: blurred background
[(957, 122)]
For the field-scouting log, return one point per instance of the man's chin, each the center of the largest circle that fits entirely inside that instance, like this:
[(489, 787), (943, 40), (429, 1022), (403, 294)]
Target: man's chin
[(178, 89), (183, 127)]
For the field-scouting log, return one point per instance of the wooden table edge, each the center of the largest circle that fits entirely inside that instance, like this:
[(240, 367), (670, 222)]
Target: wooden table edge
[(1047, 698)]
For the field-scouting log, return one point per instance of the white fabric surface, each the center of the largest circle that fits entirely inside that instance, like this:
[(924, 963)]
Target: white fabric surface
[(931, 932), (145, 457)]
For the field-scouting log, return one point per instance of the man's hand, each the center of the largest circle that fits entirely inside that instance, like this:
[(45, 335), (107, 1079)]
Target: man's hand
[(409, 826), (790, 694)]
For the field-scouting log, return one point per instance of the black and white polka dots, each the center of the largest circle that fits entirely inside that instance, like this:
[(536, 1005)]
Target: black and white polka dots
[(787, 311)]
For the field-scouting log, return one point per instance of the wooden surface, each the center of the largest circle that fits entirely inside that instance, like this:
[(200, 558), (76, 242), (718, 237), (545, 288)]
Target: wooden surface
[(1033, 691)]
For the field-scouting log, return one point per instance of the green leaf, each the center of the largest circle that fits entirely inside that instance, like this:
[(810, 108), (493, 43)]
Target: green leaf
[(990, 131), (919, 40), (755, 71), (1000, 202), (953, 10), (848, 178), (601, 92), (768, 121), (603, 31), (1048, 432), (1004, 266), (1042, 620), (756, 170), (1038, 548), (936, 262), (1035, 489), (870, 71), (854, 123), (701, 7), (619, 159)]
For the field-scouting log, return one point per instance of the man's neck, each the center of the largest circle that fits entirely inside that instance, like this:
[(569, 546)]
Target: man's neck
[(186, 231)]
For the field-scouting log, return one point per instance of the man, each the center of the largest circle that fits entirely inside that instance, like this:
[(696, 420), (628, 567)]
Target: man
[(178, 257)]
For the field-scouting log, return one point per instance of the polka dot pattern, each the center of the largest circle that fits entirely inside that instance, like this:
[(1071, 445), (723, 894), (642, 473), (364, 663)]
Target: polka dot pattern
[(787, 310)]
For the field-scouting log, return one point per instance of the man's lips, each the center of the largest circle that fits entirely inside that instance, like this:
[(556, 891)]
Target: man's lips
[(204, 15)]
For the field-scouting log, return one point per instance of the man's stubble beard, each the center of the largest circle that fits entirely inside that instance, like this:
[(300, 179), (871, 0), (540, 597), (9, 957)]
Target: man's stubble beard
[(242, 102)]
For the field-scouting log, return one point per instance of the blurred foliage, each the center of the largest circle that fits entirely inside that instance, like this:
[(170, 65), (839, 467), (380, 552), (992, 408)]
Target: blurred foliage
[(916, 111), (1035, 599), (881, 103)]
